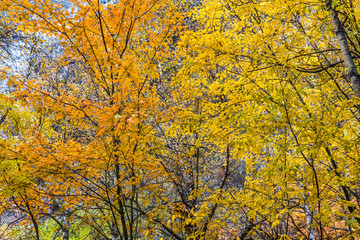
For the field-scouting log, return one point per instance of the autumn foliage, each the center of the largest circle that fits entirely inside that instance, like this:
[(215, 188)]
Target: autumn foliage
[(162, 119)]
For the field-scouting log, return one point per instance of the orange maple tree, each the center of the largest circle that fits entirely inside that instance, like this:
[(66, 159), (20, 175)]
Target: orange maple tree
[(84, 157)]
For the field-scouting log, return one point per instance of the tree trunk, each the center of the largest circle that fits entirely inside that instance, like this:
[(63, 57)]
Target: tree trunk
[(352, 71), (309, 221), (65, 227)]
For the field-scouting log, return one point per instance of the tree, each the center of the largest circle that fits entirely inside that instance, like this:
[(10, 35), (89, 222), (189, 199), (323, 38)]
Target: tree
[(97, 99), (273, 87)]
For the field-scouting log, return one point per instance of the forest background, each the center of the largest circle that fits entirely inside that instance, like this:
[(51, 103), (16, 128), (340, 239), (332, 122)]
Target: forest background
[(166, 119)]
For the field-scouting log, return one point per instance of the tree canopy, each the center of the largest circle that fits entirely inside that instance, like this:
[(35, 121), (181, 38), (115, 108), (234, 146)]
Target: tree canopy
[(164, 119)]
